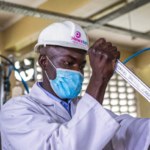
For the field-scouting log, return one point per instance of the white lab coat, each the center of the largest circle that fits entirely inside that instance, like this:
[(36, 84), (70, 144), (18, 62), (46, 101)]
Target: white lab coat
[(134, 133), (37, 122)]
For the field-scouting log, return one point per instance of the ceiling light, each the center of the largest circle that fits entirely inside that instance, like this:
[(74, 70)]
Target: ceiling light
[(107, 11), (37, 15)]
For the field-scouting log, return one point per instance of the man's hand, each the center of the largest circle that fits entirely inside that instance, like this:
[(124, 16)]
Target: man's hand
[(103, 57)]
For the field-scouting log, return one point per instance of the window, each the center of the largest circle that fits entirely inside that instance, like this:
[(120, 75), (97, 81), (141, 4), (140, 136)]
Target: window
[(38, 72), (26, 69), (119, 97)]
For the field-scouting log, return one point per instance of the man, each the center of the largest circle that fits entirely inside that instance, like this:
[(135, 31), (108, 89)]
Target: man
[(51, 116)]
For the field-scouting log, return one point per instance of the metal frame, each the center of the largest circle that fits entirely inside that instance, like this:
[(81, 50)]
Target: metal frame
[(121, 11), (105, 11), (86, 23), (39, 13), (125, 32)]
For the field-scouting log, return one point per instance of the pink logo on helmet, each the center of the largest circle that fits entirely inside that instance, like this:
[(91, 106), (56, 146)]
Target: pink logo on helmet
[(76, 39), (78, 34)]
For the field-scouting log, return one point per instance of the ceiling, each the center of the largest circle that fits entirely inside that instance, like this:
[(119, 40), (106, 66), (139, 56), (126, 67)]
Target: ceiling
[(123, 41), (93, 7), (7, 18), (137, 20)]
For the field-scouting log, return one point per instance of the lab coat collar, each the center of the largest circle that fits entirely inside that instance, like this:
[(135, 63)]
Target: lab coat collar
[(39, 96)]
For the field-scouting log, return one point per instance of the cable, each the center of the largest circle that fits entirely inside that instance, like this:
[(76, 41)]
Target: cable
[(144, 50), (7, 78), (24, 83), (7, 60), (10, 56), (7, 82)]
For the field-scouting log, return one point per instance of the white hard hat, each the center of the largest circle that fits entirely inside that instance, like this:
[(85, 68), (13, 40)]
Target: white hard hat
[(66, 34)]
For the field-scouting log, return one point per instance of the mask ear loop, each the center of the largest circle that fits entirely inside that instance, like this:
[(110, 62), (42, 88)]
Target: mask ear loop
[(51, 62), (51, 84), (47, 75), (52, 65)]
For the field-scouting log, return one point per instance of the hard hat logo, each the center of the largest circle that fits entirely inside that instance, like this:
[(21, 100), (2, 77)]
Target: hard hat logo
[(81, 42), (78, 34)]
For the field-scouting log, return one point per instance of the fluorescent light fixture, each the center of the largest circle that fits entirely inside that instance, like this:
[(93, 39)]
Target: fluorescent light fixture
[(37, 15), (107, 11)]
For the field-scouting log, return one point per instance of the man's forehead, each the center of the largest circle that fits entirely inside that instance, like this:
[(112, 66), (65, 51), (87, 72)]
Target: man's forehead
[(60, 51)]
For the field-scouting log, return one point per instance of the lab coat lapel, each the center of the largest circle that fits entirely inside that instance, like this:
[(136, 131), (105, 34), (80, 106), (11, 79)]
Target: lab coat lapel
[(74, 103), (41, 97), (61, 111)]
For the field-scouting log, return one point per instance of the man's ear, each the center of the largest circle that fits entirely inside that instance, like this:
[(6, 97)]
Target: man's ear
[(43, 62)]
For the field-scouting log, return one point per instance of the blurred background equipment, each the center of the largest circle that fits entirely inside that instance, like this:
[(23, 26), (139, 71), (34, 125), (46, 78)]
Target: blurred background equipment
[(6, 68), (1, 86), (17, 90)]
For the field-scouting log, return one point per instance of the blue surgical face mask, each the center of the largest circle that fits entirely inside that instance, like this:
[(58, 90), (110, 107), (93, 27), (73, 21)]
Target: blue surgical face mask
[(68, 83)]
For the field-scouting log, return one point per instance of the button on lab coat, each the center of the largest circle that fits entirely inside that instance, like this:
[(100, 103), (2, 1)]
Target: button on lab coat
[(37, 122)]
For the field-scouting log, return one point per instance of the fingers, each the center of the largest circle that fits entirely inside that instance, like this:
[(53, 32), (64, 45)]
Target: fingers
[(101, 47), (99, 42), (111, 49), (111, 54), (107, 48), (117, 55), (92, 49), (96, 44), (105, 45)]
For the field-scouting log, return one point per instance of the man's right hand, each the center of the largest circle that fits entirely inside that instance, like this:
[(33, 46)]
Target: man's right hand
[(103, 57)]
